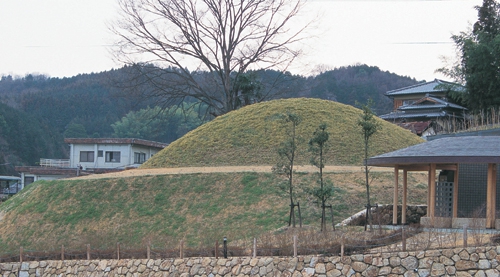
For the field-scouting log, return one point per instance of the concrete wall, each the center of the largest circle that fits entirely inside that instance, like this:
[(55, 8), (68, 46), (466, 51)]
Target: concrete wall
[(472, 261)]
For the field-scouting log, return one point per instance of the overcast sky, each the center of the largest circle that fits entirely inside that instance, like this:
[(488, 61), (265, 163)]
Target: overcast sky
[(63, 38)]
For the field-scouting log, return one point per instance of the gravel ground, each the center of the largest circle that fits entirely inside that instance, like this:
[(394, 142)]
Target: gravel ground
[(224, 169)]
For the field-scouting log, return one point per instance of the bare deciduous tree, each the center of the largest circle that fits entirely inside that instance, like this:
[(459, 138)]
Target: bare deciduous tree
[(221, 39)]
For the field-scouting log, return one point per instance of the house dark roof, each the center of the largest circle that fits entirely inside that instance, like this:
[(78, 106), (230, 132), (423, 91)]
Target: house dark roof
[(115, 141), (451, 150), (434, 103), (427, 108), (428, 87)]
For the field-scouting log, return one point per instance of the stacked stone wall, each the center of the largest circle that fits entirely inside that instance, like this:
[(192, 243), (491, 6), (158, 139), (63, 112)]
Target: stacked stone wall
[(472, 261)]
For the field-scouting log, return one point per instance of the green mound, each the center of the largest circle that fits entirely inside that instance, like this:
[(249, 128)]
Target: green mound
[(199, 208), (251, 136)]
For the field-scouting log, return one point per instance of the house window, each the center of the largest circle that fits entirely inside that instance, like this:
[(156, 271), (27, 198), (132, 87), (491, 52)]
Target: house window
[(408, 102), (100, 154), (112, 156), (87, 156), (139, 158)]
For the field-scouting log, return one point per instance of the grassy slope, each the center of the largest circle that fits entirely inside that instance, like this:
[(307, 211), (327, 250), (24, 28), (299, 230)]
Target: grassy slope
[(250, 136), (203, 207), (164, 209)]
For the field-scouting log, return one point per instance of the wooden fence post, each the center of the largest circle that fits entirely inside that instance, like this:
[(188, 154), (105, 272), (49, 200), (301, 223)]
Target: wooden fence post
[(21, 250), (403, 238), (216, 249), (118, 250), (181, 249), (465, 236), (342, 243), (254, 247), (62, 253), (88, 251), (295, 246), (148, 250)]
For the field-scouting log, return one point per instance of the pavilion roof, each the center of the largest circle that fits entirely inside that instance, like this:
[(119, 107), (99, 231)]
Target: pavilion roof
[(450, 150)]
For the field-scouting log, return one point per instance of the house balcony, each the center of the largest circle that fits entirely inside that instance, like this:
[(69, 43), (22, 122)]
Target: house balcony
[(59, 163)]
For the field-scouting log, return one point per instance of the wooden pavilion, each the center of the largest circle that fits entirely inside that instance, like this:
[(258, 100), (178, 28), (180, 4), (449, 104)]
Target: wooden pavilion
[(462, 183)]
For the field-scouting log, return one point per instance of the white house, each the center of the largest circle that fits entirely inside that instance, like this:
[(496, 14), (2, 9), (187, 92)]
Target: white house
[(90, 156), (94, 153)]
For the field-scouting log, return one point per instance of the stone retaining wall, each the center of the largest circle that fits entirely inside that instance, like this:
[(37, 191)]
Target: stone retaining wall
[(472, 261)]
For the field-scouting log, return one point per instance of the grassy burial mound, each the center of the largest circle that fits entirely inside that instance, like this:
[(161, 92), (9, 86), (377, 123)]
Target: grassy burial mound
[(199, 208), (251, 136)]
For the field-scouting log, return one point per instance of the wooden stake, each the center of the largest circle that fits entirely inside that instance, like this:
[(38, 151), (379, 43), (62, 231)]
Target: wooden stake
[(254, 247), (21, 254), (148, 250), (403, 238), (295, 246), (181, 249), (216, 249), (465, 236), (342, 243), (118, 250), (62, 253), (88, 251)]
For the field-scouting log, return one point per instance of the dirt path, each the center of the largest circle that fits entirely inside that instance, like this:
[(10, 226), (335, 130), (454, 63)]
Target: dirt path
[(224, 169)]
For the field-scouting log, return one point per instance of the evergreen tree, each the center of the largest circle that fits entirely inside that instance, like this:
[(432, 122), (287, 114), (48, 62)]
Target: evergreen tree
[(479, 60), (317, 145), (287, 154), (369, 126)]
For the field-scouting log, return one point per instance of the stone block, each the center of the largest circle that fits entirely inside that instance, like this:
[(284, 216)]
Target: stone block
[(359, 266), (492, 273), (333, 273), (438, 269), (371, 271), (409, 263), (320, 268), (484, 264), (446, 261), (395, 261), (463, 265)]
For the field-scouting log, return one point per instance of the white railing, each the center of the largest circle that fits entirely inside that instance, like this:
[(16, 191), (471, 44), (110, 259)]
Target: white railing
[(54, 162)]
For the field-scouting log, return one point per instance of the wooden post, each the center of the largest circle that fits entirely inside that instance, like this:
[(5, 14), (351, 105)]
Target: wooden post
[(295, 246), (21, 250), (405, 193), (432, 185), (342, 243), (403, 238), (455, 194), (491, 193), (216, 249), (181, 249), (148, 250), (88, 251), (62, 252), (465, 236), (254, 247), (118, 250), (395, 201)]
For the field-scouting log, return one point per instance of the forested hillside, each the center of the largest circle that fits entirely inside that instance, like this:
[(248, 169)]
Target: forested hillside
[(98, 105), (24, 140)]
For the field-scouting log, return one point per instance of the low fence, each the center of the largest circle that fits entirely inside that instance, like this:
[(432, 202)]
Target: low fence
[(336, 243)]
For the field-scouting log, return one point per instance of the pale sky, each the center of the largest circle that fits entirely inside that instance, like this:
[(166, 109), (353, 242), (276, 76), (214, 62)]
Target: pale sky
[(64, 38)]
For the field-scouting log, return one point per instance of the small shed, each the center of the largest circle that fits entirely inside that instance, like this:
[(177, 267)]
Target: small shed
[(462, 183)]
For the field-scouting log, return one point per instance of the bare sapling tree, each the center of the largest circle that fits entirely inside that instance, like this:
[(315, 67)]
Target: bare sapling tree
[(318, 147), (369, 126), (287, 153), (222, 41)]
